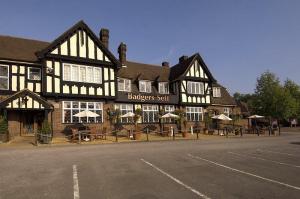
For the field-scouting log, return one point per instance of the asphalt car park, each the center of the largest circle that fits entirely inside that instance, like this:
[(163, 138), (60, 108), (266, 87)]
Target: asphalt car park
[(256, 167)]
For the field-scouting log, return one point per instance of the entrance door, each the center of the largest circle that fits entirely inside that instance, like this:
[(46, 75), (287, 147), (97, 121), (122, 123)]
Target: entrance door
[(28, 124)]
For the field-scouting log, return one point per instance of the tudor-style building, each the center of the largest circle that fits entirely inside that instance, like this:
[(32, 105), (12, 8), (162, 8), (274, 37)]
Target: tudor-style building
[(77, 71)]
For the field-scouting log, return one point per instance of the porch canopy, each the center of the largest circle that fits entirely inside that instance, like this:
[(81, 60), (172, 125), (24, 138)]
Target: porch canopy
[(25, 100)]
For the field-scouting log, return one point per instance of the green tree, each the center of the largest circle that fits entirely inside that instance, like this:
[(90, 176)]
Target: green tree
[(272, 99)]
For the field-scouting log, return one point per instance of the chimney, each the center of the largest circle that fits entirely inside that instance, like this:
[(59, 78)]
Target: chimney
[(183, 58), (165, 64), (104, 36), (122, 53)]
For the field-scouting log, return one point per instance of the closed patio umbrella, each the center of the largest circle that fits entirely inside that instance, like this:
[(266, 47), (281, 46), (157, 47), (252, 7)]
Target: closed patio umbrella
[(129, 114)]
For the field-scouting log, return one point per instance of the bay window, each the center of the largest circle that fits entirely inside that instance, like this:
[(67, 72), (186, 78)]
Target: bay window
[(194, 113), (4, 77), (195, 88), (150, 113), (124, 84), (145, 86), (163, 87), (80, 73), (70, 108)]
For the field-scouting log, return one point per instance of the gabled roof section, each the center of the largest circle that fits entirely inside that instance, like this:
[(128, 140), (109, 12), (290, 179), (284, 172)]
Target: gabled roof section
[(67, 34), (225, 99), (23, 93), (179, 70), (20, 49), (134, 71)]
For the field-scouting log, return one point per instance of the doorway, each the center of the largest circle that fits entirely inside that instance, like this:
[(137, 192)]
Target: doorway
[(31, 122)]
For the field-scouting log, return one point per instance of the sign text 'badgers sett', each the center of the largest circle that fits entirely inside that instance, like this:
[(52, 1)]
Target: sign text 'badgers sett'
[(144, 98)]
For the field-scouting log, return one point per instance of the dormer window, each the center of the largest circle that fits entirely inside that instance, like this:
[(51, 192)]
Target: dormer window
[(163, 87), (195, 88), (145, 86), (34, 73), (124, 85), (216, 92)]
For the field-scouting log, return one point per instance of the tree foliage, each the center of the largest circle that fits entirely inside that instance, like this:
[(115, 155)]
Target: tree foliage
[(272, 99)]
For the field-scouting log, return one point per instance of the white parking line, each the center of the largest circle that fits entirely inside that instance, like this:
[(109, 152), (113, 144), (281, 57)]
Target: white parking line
[(176, 180), (259, 158), (75, 182), (246, 173), (276, 152)]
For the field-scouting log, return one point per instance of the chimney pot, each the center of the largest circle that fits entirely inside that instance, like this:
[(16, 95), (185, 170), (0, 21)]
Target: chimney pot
[(183, 58), (104, 36), (165, 64), (122, 53)]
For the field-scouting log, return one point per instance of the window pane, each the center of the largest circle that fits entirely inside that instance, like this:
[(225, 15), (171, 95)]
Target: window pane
[(128, 85), (82, 74), (75, 73), (67, 116), (34, 73), (97, 75), (4, 71), (67, 72), (89, 74), (67, 104), (3, 83), (75, 105)]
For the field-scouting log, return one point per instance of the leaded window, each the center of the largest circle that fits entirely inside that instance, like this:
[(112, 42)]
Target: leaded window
[(194, 113), (195, 88), (70, 108), (125, 108), (150, 113), (80, 73)]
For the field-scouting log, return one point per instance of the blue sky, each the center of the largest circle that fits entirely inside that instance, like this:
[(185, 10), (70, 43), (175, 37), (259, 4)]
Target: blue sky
[(237, 39)]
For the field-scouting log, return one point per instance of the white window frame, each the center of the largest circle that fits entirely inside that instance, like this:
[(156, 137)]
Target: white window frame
[(195, 88), (5, 77), (226, 111), (194, 113), (126, 81), (145, 82), (125, 108), (87, 78), (169, 109), (150, 109), (81, 109), (165, 86), (28, 73), (216, 92)]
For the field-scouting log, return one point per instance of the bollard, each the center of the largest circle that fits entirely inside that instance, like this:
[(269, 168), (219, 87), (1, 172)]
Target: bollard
[(35, 139), (79, 137), (173, 135), (241, 131), (116, 136), (226, 133), (147, 132), (197, 134), (279, 130)]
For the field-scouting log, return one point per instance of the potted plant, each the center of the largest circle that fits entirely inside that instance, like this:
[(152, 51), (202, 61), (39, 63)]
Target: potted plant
[(114, 118), (3, 129), (207, 122), (181, 120), (137, 116), (45, 134)]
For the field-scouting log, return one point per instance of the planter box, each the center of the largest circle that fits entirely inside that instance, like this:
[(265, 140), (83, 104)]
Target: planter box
[(184, 134), (137, 136), (46, 139)]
